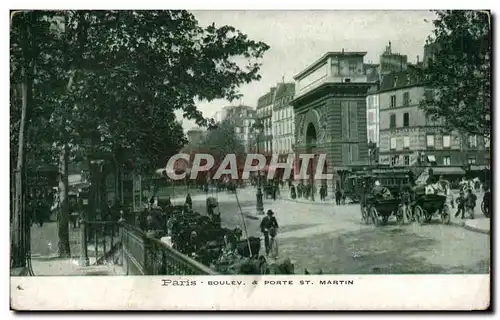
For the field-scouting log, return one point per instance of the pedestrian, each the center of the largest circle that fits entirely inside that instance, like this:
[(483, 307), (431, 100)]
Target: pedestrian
[(344, 197), (267, 223), (460, 204), (274, 189), (322, 192), (189, 201), (338, 196), (470, 203), (293, 193), (405, 202)]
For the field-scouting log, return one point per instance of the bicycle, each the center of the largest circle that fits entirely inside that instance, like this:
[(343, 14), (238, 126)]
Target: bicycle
[(273, 244)]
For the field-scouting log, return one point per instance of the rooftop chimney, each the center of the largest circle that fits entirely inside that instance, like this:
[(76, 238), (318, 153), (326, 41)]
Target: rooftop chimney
[(418, 59), (342, 50)]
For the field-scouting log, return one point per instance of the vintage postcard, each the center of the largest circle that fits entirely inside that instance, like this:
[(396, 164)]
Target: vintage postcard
[(224, 160)]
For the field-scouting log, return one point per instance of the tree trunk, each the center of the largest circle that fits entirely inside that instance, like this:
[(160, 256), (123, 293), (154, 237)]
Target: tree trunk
[(20, 222), (63, 219)]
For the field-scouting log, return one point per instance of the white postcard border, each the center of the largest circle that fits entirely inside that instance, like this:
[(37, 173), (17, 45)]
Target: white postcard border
[(380, 292)]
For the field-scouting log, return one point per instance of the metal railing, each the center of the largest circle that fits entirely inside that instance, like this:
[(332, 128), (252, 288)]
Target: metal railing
[(143, 255), (100, 239)]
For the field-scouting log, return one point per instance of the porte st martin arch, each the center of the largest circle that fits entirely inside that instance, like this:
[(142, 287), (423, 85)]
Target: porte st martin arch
[(330, 111)]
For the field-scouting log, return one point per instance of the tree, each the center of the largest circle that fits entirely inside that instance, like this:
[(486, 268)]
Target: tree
[(109, 83), (460, 71)]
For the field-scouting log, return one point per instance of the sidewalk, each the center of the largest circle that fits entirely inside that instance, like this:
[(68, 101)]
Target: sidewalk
[(481, 225), (48, 266)]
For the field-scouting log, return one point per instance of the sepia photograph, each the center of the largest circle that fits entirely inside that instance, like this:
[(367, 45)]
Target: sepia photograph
[(238, 156)]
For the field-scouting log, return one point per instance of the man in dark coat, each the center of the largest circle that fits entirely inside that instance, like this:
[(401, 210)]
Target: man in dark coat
[(268, 222), (189, 201)]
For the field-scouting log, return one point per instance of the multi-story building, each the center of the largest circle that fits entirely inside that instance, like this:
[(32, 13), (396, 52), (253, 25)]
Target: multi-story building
[(242, 118), (389, 62), (283, 124), (330, 111), (264, 115), (408, 136)]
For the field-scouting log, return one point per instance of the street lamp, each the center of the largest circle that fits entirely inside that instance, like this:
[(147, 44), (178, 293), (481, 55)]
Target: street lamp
[(371, 150), (257, 127)]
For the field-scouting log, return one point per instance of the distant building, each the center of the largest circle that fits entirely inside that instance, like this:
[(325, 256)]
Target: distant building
[(264, 115), (195, 135), (408, 137), (242, 118), (283, 124), (392, 62)]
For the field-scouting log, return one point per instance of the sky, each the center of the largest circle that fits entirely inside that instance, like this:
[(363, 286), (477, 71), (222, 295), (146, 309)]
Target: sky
[(298, 38)]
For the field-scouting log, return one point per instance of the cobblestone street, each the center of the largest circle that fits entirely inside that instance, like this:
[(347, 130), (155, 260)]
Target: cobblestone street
[(333, 239)]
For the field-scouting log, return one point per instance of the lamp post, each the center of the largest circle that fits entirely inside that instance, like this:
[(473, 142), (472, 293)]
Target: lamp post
[(260, 204), (371, 149)]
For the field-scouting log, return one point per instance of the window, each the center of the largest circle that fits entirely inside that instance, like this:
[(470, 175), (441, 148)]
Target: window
[(486, 143), (430, 141), (394, 160), (352, 67), (392, 123), (406, 119), (446, 141), (447, 160), (393, 143), (406, 142), (395, 81), (393, 101), (471, 160), (473, 141), (406, 99), (407, 160)]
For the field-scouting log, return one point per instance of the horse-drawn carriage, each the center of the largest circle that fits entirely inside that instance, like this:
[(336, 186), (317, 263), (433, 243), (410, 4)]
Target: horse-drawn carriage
[(379, 210), (425, 206), (379, 203)]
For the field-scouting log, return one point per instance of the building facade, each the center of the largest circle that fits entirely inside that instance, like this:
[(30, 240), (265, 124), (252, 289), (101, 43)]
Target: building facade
[(372, 115), (242, 118), (283, 124), (264, 116), (408, 137), (330, 111)]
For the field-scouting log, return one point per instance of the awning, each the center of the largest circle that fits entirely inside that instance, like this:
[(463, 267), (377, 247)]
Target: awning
[(448, 171), (431, 158)]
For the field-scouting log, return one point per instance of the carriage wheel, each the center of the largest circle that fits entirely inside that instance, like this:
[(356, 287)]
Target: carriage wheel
[(484, 209), (374, 216), (364, 215), (418, 214), (445, 214), (399, 216)]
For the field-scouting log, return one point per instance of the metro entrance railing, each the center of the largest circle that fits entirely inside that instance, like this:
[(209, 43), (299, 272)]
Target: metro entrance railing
[(139, 254)]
